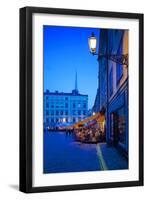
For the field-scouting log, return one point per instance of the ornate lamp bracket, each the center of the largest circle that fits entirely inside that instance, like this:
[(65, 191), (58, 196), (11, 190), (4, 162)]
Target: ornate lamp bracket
[(119, 59)]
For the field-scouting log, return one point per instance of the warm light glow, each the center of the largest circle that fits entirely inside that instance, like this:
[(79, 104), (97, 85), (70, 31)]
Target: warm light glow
[(92, 43), (64, 120), (93, 113)]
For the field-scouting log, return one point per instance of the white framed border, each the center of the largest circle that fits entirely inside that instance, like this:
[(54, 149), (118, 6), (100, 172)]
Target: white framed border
[(132, 174)]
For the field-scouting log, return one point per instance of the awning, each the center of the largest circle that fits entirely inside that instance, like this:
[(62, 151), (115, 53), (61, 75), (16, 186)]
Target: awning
[(98, 117)]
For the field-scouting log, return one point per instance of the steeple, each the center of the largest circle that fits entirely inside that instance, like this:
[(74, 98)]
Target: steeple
[(75, 91), (76, 82)]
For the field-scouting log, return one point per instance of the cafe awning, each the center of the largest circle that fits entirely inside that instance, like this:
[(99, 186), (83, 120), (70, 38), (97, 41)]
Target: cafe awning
[(98, 117)]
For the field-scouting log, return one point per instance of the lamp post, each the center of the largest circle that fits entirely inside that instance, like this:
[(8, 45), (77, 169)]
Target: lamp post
[(119, 59)]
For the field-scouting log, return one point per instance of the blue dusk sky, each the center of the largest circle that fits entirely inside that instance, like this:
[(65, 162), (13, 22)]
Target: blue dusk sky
[(66, 52)]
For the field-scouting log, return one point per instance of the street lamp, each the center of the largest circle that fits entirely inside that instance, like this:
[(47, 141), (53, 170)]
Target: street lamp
[(119, 59), (92, 43)]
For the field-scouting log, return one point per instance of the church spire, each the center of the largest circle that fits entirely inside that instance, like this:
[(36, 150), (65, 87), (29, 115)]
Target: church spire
[(76, 82), (75, 91)]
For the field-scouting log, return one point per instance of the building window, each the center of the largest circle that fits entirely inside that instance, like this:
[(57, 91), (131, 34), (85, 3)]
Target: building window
[(47, 120), (46, 97), (61, 112), (74, 105), (84, 105), (52, 112), (84, 112), (52, 120), (119, 72), (66, 112), (119, 67), (57, 119), (79, 105), (121, 125), (74, 119), (66, 98), (47, 112), (57, 112), (79, 112), (118, 126), (66, 105), (47, 105), (112, 125), (111, 81), (74, 112)]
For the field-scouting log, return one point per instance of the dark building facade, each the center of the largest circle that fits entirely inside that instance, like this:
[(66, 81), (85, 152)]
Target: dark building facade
[(112, 93)]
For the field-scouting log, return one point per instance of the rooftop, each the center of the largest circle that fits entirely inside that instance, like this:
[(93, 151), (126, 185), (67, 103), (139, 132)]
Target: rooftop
[(73, 93)]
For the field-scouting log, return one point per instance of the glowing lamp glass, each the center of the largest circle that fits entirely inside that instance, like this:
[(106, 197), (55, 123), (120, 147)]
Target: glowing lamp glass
[(92, 44)]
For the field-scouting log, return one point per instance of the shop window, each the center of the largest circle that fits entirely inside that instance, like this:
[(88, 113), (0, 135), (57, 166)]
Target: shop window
[(118, 126), (112, 125), (121, 125)]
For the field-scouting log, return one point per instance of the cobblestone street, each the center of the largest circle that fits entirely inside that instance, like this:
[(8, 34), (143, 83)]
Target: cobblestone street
[(63, 154)]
